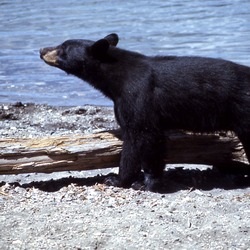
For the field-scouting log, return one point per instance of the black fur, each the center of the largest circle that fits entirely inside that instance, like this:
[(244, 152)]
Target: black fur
[(153, 94)]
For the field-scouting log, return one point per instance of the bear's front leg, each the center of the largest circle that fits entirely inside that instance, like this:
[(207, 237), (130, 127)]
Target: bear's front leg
[(153, 149), (130, 163), (141, 151)]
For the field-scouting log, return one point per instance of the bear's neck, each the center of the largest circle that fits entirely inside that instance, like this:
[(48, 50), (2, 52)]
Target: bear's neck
[(110, 77)]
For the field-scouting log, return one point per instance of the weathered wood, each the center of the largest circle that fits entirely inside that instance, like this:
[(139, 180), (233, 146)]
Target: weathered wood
[(102, 150)]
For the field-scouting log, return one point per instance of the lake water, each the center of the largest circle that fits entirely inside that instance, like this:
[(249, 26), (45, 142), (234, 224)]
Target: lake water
[(210, 28)]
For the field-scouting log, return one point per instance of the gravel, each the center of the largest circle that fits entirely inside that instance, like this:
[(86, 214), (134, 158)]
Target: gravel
[(203, 208), (30, 120)]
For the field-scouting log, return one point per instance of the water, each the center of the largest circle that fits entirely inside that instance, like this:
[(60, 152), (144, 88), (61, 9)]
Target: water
[(211, 28)]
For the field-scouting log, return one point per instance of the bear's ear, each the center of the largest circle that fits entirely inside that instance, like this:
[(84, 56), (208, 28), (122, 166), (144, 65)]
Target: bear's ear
[(113, 39), (100, 47)]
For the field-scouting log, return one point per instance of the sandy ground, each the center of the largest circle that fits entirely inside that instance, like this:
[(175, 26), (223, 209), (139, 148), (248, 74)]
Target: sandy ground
[(203, 208)]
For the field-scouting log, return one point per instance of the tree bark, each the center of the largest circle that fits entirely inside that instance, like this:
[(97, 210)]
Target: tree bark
[(102, 150)]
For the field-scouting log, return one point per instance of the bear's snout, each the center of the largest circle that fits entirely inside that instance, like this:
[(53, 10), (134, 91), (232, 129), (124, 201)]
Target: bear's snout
[(44, 51), (49, 55)]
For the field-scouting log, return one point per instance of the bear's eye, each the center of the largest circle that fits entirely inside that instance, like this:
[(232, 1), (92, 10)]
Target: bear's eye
[(61, 53)]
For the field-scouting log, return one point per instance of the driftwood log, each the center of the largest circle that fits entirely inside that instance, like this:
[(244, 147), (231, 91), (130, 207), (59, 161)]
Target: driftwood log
[(102, 150)]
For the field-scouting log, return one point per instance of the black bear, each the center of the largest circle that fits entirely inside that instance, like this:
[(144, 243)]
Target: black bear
[(154, 94)]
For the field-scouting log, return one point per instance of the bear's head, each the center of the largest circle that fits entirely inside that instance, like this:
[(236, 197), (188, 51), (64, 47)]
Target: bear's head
[(72, 55)]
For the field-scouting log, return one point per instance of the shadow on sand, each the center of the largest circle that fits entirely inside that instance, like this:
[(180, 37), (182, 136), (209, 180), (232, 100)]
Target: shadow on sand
[(174, 179)]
